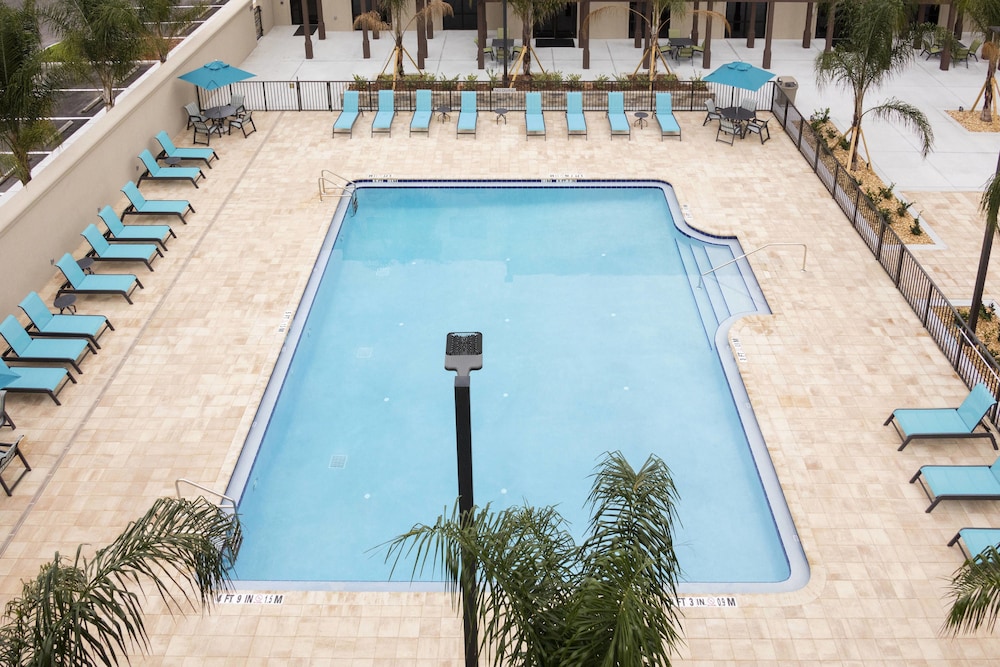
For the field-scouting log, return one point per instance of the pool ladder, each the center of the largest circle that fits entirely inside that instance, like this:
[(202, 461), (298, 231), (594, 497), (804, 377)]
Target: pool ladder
[(334, 185), (230, 546), (701, 280)]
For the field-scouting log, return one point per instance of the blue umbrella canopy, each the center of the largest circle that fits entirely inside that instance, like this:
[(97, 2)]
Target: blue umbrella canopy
[(740, 75), (215, 74)]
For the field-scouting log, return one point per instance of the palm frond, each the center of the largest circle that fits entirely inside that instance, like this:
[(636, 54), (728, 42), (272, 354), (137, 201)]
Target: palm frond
[(975, 594), (910, 117), (989, 204)]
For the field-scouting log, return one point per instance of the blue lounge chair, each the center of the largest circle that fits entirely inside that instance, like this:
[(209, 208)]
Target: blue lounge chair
[(386, 112), (576, 122), (959, 483), (78, 282), (119, 252), (170, 150), (34, 380), (46, 323), (157, 173), (422, 116), (139, 205), (25, 348), (534, 119), (616, 115), (960, 422), (974, 541), (348, 115), (665, 116), (118, 231), (467, 115)]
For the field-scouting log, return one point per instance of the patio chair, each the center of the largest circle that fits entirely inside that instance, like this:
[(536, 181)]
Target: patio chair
[(759, 127), (468, 114), (534, 119), (5, 420), (616, 115), (699, 48), (78, 282), (750, 106), (172, 151), (35, 380), (386, 112), (487, 50), (962, 55), (348, 115), (238, 103), (102, 251), (8, 452), (713, 113), (139, 205), (947, 423), (684, 52), (959, 482), (157, 173), (576, 122), (421, 121), (665, 117), (241, 122), (931, 48), (193, 113), (728, 128), (118, 231), (47, 324), (24, 348), (974, 541)]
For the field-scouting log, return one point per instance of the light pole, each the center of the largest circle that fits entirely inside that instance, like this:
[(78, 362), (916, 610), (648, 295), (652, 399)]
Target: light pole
[(464, 354)]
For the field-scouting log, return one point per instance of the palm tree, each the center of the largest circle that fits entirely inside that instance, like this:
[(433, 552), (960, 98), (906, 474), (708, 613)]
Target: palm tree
[(102, 39), (989, 205), (532, 12), (983, 14), (87, 612), (164, 21), (876, 48), (543, 600), (975, 593), (654, 22), (397, 10), (27, 90)]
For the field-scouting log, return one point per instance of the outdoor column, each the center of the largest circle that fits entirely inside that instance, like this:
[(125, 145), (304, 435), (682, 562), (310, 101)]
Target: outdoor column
[(808, 30), (946, 53), (637, 26), (694, 24), (366, 46), (307, 29), (319, 18), (768, 30), (481, 33), (421, 35), (585, 32), (706, 57), (831, 14), (752, 32)]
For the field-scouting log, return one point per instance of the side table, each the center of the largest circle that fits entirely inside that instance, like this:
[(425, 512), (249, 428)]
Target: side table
[(65, 302)]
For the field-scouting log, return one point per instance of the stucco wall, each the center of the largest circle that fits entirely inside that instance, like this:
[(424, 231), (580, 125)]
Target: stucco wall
[(43, 220)]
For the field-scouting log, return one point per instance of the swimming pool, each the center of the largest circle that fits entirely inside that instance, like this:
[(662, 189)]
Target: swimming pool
[(597, 336)]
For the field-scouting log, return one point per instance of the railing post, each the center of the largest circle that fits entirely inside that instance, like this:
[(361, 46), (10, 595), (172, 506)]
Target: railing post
[(899, 268), (927, 307)]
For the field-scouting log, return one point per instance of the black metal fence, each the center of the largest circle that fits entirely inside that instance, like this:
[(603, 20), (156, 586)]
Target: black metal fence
[(966, 353), (328, 95)]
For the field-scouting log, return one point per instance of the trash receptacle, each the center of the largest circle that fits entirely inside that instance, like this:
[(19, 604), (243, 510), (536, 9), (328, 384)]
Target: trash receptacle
[(788, 85)]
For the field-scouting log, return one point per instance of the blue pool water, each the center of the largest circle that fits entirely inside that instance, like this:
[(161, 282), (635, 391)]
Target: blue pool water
[(593, 341)]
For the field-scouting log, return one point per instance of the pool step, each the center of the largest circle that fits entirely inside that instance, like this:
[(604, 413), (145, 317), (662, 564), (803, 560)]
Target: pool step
[(721, 293)]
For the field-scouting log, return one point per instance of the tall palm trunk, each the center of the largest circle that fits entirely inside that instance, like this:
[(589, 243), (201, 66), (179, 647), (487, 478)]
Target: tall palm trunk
[(991, 68)]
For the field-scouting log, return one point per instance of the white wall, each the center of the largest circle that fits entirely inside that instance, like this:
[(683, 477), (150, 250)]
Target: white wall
[(43, 220)]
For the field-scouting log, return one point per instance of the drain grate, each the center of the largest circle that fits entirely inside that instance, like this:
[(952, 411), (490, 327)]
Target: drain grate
[(338, 461)]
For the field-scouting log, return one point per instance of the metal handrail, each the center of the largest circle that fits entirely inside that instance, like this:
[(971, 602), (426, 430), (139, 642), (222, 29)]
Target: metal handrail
[(324, 179), (805, 251), (222, 496)]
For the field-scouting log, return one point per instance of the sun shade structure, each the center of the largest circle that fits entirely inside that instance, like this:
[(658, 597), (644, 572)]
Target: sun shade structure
[(215, 75), (740, 75)]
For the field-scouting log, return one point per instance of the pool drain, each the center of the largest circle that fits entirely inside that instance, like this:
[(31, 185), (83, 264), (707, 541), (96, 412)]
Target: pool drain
[(338, 461)]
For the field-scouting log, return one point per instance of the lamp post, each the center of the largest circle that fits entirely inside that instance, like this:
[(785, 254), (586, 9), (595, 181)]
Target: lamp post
[(464, 354)]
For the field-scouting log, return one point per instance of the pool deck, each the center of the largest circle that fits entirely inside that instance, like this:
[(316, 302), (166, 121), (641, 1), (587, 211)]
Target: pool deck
[(174, 389)]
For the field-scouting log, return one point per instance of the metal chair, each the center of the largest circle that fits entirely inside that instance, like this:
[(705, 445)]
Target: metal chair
[(242, 122), (237, 102), (713, 113), (730, 128), (749, 105), (5, 419), (9, 450), (202, 127), (759, 127)]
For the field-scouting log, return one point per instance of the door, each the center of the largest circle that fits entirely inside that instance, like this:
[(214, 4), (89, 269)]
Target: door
[(738, 15), (562, 24), (296, 9), (464, 17)]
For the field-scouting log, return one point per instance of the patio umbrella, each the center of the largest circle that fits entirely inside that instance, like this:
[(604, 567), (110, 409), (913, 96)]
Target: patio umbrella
[(215, 75), (739, 75)]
